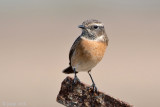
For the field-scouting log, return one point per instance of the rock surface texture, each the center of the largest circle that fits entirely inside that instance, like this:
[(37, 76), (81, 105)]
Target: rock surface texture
[(82, 95)]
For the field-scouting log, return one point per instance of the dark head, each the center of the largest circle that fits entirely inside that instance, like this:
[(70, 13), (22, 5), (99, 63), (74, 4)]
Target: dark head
[(93, 30)]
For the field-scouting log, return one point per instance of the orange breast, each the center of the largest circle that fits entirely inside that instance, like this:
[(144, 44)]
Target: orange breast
[(88, 52), (93, 49)]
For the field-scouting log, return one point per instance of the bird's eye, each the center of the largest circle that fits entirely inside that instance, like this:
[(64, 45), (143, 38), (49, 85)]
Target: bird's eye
[(95, 26)]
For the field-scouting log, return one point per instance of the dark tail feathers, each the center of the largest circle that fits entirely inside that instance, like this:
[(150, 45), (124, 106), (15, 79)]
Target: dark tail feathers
[(68, 70)]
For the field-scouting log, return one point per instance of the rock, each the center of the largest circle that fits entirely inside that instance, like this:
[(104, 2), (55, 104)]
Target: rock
[(82, 95)]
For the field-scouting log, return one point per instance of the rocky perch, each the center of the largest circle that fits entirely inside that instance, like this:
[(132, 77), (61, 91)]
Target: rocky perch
[(82, 95)]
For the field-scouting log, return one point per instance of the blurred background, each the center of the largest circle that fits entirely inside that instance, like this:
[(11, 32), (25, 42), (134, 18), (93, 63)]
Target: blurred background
[(36, 36)]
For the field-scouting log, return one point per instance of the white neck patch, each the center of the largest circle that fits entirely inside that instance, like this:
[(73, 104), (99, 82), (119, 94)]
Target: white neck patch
[(100, 38)]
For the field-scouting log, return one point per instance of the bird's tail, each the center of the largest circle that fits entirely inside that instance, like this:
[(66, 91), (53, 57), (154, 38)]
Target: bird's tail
[(68, 70)]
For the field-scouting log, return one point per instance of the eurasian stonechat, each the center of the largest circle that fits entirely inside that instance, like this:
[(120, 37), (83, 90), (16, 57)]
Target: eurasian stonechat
[(88, 49)]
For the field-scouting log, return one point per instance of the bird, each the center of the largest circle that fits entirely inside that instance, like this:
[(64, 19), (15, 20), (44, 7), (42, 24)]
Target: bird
[(88, 49)]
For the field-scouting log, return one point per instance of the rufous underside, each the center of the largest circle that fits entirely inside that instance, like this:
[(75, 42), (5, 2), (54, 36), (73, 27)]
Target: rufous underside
[(87, 54)]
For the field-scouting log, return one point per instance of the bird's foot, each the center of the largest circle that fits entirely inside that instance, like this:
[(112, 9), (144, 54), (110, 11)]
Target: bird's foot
[(76, 80), (94, 88)]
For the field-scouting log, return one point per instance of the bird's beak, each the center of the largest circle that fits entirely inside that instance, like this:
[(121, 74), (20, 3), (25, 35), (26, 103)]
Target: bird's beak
[(81, 26)]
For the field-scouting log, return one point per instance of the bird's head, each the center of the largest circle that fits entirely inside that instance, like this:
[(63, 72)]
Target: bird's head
[(92, 29)]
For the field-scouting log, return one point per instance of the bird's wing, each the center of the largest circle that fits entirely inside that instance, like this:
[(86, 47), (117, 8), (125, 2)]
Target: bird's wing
[(75, 44)]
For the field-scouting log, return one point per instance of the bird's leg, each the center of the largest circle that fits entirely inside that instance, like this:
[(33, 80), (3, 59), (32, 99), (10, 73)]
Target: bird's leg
[(75, 77), (93, 84)]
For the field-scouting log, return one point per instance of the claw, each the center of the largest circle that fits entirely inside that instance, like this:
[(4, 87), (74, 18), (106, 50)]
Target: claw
[(76, 80), (94, 88), (93, 84)]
